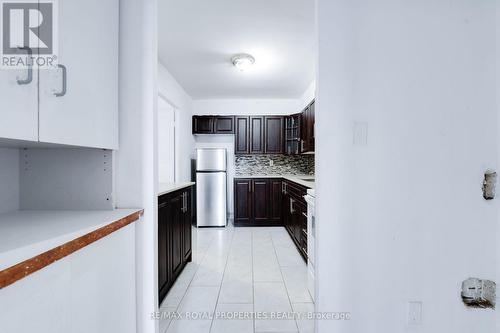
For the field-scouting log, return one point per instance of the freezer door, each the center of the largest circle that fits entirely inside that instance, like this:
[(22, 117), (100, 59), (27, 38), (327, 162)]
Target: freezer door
[(211, 159), (211, 199)]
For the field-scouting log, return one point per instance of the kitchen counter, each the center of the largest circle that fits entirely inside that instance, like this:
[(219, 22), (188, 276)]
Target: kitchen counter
[(37, 238), (299, 179), (164, 188)]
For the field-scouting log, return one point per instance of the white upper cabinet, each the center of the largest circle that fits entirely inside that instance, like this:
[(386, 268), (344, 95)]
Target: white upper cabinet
[(79, 99), (75, 103), (18, 104)]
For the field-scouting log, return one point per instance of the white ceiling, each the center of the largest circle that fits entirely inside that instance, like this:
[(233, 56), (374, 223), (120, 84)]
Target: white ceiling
[(197, 39)]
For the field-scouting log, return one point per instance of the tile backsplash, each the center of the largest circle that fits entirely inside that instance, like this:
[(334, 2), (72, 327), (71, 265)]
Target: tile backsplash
[(282, 164)]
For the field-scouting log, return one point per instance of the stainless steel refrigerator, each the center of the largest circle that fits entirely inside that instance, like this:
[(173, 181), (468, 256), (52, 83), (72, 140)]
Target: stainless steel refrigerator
[(211, 187)]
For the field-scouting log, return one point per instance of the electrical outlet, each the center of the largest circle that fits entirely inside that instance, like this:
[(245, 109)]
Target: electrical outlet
[(271, 162), (415, 313)]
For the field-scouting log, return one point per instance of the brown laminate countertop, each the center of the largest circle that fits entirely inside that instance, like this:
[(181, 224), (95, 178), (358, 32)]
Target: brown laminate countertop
[(31, 240)]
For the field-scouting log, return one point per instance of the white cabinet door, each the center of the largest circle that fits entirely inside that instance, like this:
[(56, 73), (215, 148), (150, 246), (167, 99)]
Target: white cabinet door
[(87, 113), (18, 105)]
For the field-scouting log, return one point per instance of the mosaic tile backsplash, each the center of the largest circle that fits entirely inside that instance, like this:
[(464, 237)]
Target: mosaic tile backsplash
[(283, 164)]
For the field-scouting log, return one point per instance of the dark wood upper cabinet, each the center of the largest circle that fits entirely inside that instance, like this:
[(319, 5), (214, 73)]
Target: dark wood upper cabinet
[(256, 135), (274, 135), (224, 124), (242, 139), (292, 134), (307, 129), (242, 201), (203, 124)]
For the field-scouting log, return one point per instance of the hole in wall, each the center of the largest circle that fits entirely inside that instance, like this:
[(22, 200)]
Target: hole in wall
[(489, 184)]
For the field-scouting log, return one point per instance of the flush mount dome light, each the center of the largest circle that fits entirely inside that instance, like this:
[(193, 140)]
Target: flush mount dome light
[(243, 61)]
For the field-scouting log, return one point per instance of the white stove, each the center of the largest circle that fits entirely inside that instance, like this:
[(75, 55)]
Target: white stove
[(311, 241)]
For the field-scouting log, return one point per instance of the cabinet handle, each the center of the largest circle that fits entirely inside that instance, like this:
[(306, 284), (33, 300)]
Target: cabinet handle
[(29, 78), (301, 145), (304, 214), (291, 206), (64, 81), (184, 205), (182, 208)]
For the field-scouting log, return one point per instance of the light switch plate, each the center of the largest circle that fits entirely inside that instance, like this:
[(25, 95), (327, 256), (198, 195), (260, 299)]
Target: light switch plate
[(415, 313), (360, 133)]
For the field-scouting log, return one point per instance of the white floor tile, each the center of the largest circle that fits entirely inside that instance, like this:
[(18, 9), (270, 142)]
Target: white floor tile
[(230, 318), (175, 295), (236, 291), (296, 283), (189, 326), (240, 270), (304, 309), (270, 299), (199, 299), (166, 315)]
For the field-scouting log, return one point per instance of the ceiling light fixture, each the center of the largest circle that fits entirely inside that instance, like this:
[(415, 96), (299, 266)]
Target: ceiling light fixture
[(243, 61)]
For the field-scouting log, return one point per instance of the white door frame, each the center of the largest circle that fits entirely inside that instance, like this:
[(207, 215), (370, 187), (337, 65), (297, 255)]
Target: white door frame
[(176, 109)]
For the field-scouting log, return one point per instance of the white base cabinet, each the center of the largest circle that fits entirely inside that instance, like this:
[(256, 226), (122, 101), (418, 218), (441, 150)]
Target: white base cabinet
[(91, 290)]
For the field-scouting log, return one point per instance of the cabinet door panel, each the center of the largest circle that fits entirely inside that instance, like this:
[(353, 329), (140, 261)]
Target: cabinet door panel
[(242, 200), (256, 135), (87, 115), (203, 124), (260, 199), (311, 119), (275, 202), (274, 135), (242, 144), (175, 221), (224, 125), (187, 225), (18, 105), (162, 245)]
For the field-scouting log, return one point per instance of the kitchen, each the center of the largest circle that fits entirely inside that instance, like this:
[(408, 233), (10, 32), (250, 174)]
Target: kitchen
[(250, 159), (166, 173)]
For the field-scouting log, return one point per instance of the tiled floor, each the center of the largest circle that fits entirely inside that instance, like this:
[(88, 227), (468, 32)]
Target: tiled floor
[(240, 272)]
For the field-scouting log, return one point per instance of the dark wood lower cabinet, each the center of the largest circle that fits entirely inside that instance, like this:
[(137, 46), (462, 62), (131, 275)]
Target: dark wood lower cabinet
[(174, 237), (295, 215), (253, 204), (272, 202), (260, 201)]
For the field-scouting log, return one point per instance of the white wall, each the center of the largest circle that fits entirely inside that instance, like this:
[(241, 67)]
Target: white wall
[(497, 91), (402, 218), (246, 106), (171, 91), (136, 165), (166, 142), (9, 180), (308, 95)]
